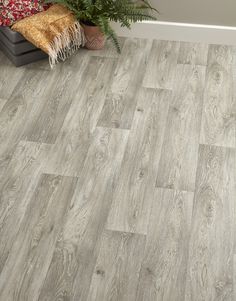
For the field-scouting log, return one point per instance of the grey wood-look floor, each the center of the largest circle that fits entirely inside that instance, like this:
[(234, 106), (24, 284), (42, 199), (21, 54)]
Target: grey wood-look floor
[(118, 175)]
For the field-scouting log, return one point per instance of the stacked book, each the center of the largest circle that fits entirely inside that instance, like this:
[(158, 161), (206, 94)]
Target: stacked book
[(17, 49)]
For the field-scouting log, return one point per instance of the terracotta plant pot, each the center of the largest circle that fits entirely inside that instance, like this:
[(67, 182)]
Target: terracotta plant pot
[(95, 39)]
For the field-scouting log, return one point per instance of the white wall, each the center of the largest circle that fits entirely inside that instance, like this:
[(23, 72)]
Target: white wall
[(215, 12), (205, 21)]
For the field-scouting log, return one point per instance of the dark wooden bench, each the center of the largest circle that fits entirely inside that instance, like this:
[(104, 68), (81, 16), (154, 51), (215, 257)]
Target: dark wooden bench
[(17, 49)]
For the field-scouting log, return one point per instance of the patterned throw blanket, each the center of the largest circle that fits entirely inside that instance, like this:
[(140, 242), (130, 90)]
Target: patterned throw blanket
[(13, 10), (54, 29)]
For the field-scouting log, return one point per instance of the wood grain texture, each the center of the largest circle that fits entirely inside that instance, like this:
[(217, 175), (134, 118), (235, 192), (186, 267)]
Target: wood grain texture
[(164, 267), (2, 103), (234, 84), (15, 112), (122, 202), (76, 251), (9, 77), (193, 53), (133, 195), (18, 185), (120, 103), (74, 139), (178, 162), (75, 62), (32, 251), (161, 67), (115, 275), (210, 264), (234, 276), (218, 120), (45, 121)]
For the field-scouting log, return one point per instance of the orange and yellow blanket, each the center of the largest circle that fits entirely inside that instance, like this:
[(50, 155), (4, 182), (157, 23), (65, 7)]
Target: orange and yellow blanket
[(56, 31)]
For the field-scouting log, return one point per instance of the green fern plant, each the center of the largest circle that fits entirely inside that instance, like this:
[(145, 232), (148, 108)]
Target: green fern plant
[(101, 12)]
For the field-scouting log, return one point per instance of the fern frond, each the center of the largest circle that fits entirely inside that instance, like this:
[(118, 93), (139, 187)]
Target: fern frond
[(101, 12), (109, 32)]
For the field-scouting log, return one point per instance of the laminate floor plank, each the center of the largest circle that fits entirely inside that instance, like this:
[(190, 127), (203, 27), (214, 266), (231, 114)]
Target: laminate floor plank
[(210, 263), (9, 77), (75, 61), (234, 277), (71, 146), (18, 185), (178, 162), (46, 120), (234, 84), (164, 267), (71, 269), (121, 99), (15, 112), (193, 53), (218, 120), (115, 275), (161, 67), (118, 175), (132, 198), (2, 103), (32, 251)]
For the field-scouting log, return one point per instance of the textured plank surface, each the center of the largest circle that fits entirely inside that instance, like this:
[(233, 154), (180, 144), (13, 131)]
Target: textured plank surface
[(210, 264), (2, 103), (15, 112), (46, 120), (71, 269), (16, 188), (178, 162), (164, 267), (193, 53), (9, 77), (161, 67), (218, 120), (74, 138), (31, 253), (118, 175), (117, 268), (131, 204), (121, 100)]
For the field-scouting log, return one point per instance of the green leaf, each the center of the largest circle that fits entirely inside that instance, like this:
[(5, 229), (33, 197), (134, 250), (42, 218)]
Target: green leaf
[(101, 12)]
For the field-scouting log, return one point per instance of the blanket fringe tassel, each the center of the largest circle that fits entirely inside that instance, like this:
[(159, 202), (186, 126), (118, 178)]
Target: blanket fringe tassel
[(66, 43)]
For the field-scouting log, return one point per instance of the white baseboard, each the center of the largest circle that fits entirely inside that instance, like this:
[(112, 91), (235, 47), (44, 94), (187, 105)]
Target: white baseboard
[(211, 34)]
